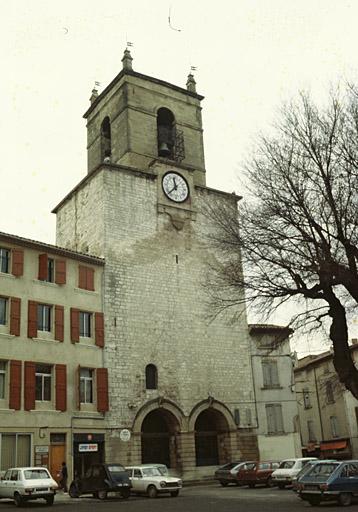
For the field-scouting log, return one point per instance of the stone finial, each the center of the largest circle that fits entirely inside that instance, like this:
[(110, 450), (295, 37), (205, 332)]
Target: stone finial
[(127, 60), (190, 83), (94, 95)]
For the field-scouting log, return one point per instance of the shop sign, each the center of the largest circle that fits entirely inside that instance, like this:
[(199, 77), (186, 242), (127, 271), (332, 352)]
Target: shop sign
[(41, 449), (125, 435), (88, 447)]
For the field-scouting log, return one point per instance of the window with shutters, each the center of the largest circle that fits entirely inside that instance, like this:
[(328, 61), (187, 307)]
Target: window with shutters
[(43, 377), (274, 419), (86, 385), (311, 431), (3, 366), (306, 398), (3, 311), (44, 317), (85, 324), (329, 392), (270, 374), (86, 278), (4, 260), (50, 270)]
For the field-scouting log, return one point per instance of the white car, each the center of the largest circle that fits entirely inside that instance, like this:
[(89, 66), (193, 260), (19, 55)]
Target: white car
[(25, 484), (287, 470), (149, 480)]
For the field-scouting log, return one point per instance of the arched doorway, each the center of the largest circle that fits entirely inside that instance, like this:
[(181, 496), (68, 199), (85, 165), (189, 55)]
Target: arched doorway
[(211, 429), (159, 430)]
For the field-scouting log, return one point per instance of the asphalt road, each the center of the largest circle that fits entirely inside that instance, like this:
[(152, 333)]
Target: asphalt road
[(210, 498)]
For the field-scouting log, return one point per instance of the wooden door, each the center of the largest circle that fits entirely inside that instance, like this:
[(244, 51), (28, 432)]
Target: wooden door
[(57, 456)]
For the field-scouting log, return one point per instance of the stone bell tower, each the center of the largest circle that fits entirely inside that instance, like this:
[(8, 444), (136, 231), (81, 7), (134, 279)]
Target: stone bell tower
[(179, 381), (138, 118)]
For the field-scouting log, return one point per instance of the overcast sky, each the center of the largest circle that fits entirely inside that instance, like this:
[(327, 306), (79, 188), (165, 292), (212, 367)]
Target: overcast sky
[(251, 55)]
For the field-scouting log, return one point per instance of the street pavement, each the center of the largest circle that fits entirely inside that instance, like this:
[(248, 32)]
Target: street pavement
[(208, 498)]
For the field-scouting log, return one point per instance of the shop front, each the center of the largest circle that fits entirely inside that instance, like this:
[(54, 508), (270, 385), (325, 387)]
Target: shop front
[(88, 448)]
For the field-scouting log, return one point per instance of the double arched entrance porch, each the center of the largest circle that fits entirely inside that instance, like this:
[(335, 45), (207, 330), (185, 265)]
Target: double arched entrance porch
[(206, 437)]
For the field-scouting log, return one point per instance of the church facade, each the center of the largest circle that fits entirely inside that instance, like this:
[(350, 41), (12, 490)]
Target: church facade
[(180, 382)]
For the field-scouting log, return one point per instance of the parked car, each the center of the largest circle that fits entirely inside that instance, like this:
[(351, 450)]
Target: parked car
[(296, 479), (327, 481), (259, 472), (101, 479), (288, 469), (25, 484), (150, 481), (227, 474)]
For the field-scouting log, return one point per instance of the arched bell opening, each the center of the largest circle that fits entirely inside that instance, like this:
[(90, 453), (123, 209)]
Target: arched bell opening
[(166, 133), (211, 438), (106, 142), (159, 438)]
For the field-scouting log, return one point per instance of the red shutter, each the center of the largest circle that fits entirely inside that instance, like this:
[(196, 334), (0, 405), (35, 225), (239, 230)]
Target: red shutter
[(82, 281), (15, 311), (32, 320), (29, 387), (60, 271), (99, 329), (59, 322), (17, 262), (102, 389), (75, 325), (90, 279), (61, 387), (15, 385), (43, 267)]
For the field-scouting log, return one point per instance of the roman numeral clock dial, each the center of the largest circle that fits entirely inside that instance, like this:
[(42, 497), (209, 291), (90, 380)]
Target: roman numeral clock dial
[(175, 187)]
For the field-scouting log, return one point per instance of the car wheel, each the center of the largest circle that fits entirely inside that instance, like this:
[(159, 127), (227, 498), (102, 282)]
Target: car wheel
[(102, 495), (269, 482), (73, 491), (345, 499), (174, 494), (223, 483), (49, 500), (314, 501), (125, 493), (152, 491), (18, 500)]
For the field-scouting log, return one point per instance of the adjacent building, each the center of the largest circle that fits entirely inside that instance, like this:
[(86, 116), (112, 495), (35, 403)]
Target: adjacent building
[(53, 384), (276, 406), (328, 413)]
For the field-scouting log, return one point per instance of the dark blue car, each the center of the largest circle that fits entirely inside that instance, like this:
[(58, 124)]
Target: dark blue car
[(330, 481)]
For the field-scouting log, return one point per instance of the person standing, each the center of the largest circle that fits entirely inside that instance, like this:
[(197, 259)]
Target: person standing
[(63, 477)]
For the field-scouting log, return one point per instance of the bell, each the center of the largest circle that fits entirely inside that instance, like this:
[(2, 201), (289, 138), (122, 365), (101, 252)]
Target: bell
[(164, 149)]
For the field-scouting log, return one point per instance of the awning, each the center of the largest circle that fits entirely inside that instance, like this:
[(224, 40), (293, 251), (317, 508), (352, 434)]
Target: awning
[(333, 445)]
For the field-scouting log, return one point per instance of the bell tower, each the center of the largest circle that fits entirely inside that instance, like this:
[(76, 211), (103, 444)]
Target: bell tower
[(139, 119)]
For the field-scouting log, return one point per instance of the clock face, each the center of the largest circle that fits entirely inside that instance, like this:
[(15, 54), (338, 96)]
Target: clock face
[(175, 187)]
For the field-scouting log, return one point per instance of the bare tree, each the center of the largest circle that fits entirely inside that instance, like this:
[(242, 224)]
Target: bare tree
[(297, 233)]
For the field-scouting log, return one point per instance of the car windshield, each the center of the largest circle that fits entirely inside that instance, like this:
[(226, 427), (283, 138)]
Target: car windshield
[(115, 469), (322, 469), (287, 464), (151, 472), (35, 474), (305, 469)]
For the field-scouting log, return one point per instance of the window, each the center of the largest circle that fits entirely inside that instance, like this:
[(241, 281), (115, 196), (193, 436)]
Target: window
[(151, 377), (2, 379), (3, 311), (15, 451), (86, 386), (86, 278), (270, 374), (166, 133), (4, 260), (106, 139), (43, 382), (311, 433), (85, 324), (334, 426), (44, 317), (329, 392), (50, 270), (274, 418), (306, 399)]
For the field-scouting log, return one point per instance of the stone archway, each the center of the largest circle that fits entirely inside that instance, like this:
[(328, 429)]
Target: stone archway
[(211, 438), (159, 438)]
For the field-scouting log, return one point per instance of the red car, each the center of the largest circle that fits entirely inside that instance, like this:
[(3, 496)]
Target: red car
[(254, 473)]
